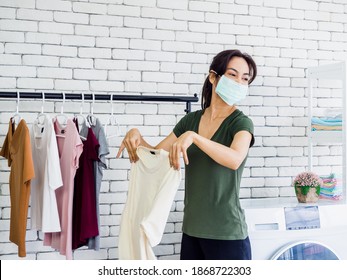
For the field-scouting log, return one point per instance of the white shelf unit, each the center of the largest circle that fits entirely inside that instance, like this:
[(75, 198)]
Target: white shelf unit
[(336, 71)]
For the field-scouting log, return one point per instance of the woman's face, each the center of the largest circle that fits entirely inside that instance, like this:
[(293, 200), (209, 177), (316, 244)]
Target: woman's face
[(238, 70)]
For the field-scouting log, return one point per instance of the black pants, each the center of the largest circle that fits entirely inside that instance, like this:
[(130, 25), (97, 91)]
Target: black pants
[(195, 248)]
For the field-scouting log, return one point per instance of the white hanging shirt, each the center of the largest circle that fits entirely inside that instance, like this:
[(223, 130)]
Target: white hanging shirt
[(44, 210), (152, 188)]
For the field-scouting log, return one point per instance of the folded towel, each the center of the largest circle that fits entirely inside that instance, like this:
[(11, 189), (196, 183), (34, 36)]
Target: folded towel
[(326, 127), (325, 121), (333, 113), (331, 187)]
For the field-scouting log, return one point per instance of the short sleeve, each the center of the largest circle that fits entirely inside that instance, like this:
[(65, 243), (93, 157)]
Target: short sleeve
[(179, 128), (28, 164), (54, 173), (185, 124), (5, 151), (242, 124), (78, 149), (103, 149), (93, 149)]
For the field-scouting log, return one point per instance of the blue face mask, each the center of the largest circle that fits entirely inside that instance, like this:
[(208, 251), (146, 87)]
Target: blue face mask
[(230, 91)]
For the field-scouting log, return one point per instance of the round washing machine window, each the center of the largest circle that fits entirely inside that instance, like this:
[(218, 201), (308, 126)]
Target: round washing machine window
[(305, 250)]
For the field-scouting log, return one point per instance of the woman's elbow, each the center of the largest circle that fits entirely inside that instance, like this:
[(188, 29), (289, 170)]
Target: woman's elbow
[(235, 166), (236, 163)]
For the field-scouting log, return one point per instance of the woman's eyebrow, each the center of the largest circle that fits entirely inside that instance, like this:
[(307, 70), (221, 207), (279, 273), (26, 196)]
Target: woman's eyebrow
[(238, 71)]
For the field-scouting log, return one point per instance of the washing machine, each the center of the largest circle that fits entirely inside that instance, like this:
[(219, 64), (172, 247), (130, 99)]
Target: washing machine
[(283, 229)]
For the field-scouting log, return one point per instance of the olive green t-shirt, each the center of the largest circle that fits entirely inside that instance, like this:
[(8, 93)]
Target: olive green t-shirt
[(211, 205)]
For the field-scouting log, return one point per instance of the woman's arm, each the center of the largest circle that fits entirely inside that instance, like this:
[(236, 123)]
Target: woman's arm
[(167, 142), (230, 157), (133, 139)]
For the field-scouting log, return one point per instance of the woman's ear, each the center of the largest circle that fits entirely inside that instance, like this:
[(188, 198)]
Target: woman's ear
[(212, 77)]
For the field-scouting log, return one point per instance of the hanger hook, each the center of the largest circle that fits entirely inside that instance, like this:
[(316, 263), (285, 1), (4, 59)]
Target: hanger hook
[(112, 104), (81, 111), (62, 106), (92, 109), (43, 101), (112, 121), (17, 105)]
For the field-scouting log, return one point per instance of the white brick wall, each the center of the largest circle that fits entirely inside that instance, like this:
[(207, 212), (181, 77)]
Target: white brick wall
[(165, 47)]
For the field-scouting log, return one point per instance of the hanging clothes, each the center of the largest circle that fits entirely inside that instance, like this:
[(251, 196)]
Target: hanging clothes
[(70, 148), (44, 209), (152, 188), (84, 222), (99, 166), (17, 150)]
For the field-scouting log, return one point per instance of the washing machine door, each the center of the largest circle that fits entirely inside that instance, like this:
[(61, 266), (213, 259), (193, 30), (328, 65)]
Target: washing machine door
[(305, 250)]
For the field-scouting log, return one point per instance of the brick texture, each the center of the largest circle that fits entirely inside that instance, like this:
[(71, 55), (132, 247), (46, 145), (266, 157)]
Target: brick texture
[(164, 47)]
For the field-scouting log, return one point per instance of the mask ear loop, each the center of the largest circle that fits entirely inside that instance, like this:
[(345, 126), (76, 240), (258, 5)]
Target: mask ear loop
[(217, 75), (214, 72)]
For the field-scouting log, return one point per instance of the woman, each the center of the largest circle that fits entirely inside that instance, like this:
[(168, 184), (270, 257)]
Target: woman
[(214, 143)]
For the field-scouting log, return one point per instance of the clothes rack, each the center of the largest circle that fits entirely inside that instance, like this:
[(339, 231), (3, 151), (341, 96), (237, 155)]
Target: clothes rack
[(88, 96)]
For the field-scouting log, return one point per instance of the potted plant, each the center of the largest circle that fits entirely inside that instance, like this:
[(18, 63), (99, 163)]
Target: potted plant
[(307, 187)]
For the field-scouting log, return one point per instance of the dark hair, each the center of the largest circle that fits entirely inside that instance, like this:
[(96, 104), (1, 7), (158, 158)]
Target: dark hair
[(219, 64)]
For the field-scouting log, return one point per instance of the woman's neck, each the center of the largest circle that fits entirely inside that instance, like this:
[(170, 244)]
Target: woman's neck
[(219, 109), (215, 112)]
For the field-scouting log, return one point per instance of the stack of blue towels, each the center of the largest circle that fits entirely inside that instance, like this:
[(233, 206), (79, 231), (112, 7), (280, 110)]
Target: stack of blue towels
[(326, 123)]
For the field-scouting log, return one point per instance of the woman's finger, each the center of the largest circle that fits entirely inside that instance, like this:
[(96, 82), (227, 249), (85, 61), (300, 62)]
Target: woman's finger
[(130, 151), (134, 143), (185, 156), (121, 148), (176, 157), (173, 154), (170, 156)]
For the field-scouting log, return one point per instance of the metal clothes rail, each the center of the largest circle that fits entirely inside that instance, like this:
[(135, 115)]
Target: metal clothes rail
[(79, 96)]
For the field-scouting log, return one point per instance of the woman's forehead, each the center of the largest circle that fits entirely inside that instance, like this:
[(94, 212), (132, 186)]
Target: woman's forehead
[(239, 64)]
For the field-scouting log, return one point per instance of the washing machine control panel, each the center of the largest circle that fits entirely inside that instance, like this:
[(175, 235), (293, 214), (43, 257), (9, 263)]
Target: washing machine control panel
[(301, 218)]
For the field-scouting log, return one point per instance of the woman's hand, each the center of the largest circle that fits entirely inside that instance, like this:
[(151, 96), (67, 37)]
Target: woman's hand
[(131, 141), (179, 147)]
